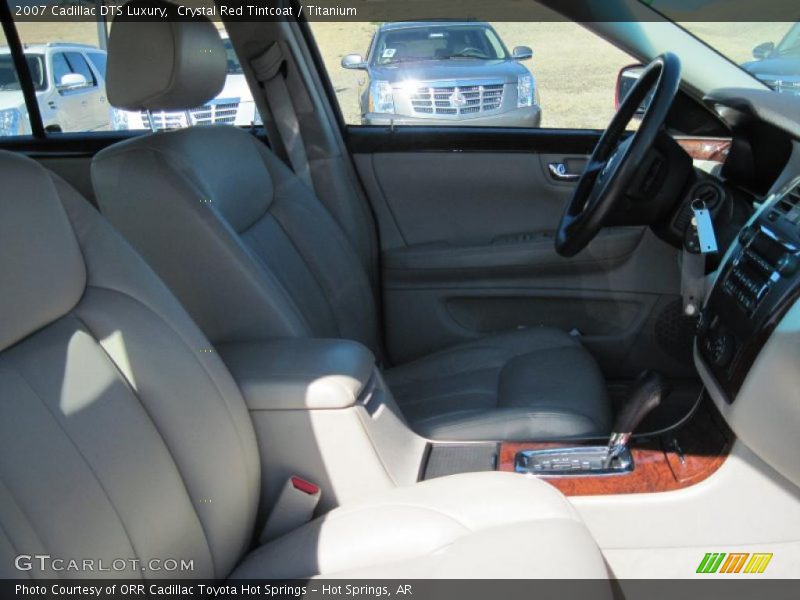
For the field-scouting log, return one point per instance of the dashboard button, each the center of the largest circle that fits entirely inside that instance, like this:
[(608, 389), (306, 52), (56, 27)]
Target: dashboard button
[(787, 265), (722, 349)]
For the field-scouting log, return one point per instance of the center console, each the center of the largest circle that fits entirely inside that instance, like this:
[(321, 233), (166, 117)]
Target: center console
[(670, 461), (321, 411), (756, 286)]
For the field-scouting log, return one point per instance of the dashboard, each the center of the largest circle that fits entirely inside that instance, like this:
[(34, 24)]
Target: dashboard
[(747, 348), (758, 278)]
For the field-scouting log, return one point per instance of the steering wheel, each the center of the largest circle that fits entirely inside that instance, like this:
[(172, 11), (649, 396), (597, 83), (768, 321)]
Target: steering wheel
[(470, 51), (613, 163)]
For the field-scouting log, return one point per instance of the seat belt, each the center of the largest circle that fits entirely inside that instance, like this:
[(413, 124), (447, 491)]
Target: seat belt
[(295, 507), (270, 70)]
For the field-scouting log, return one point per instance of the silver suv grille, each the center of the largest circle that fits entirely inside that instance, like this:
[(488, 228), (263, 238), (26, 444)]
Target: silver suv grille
[(215, 112), (435, 99), (219, 112)]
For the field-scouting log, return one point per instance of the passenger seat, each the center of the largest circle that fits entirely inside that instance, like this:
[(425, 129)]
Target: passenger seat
[(122, 439), (253, 254)]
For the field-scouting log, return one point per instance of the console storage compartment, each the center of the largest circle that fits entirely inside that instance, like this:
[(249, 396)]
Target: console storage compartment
[(322, 411)]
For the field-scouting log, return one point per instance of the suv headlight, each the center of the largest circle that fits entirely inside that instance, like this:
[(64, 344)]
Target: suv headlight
[(10, 122), (526, 88), (381, 99)]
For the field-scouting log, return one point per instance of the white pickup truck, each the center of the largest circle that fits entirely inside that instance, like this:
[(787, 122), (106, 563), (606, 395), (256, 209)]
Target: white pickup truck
[(69, 80)]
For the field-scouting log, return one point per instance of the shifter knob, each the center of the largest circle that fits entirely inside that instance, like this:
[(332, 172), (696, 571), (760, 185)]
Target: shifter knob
[(648, 391)]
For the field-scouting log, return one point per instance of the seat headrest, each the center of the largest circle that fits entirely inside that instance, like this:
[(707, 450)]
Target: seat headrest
[(162, 64), (42, 272)]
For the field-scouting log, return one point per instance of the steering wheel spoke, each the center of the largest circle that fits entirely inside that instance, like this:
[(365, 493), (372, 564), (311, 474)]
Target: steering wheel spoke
[(594, 167)]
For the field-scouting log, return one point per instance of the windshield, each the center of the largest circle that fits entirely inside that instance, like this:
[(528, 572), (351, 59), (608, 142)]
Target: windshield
[(8, 75), (234, 66), (438, 42), (790, 44), (768, 51)]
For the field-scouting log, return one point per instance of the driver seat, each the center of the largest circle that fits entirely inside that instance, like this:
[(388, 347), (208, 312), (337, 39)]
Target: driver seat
[(252, 253)]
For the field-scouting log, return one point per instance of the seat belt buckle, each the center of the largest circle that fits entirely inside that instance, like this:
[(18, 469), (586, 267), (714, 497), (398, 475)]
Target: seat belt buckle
[(295, 507)]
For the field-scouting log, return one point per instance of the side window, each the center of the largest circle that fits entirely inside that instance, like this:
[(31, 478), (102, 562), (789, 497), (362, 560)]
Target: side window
[(99, 60), (79, 66), (468, 73), (60, 68), (13, 113), (69, 68), (72, 96)]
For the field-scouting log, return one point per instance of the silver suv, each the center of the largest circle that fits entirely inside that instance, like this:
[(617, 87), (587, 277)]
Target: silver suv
[(69, 80), (445, 73)]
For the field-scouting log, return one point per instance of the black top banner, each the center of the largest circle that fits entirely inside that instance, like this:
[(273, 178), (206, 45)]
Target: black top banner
[(410, 10)]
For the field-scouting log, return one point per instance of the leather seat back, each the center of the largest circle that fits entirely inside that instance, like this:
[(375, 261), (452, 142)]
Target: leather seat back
[(275, 261), (121, 435)]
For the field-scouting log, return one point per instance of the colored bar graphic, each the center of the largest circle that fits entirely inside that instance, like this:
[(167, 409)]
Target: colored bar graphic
[(701, 568), (716, 562), (734, 562), (711, 562), (758, 563), (740, 563)]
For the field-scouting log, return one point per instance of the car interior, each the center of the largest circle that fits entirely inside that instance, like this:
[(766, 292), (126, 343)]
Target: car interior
[(308, 349)]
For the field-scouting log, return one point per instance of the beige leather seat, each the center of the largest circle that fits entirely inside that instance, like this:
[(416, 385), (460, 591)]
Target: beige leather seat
[(122, 439), (252, 253)]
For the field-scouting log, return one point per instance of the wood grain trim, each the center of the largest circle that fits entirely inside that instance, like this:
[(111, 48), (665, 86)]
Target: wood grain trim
[(669, 462), (711, 149)]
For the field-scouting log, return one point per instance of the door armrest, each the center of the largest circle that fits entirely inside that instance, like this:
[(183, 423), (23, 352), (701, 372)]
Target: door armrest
[(510, 256)]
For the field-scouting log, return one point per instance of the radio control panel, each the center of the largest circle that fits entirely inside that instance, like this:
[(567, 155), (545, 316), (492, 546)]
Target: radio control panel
[(755, 288)]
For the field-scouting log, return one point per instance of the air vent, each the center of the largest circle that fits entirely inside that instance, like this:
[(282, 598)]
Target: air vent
[(789, 202)]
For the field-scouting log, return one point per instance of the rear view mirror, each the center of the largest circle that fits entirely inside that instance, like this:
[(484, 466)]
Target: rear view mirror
[(522, 53), (353, 61), (626, 79), (763, 51), (72, 81)]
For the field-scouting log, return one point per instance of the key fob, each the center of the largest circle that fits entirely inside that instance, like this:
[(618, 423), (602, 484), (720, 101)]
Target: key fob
[(702, 222)]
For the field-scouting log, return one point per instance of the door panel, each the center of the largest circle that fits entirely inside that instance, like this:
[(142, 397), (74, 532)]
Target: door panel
[(628, 315), (467, 251), (469, 197)]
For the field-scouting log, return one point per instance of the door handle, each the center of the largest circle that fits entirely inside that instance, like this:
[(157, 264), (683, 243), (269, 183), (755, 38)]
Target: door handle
[(558, 171)]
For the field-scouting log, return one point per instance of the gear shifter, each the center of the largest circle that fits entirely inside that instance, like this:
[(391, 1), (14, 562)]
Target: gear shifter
[(648, 391), (614, 458)]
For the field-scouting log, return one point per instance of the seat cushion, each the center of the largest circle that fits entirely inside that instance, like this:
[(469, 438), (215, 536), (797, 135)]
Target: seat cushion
[(515, 527), (530, 384)]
